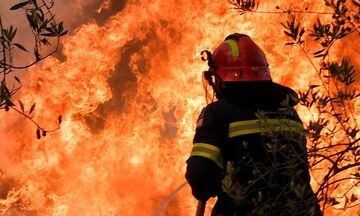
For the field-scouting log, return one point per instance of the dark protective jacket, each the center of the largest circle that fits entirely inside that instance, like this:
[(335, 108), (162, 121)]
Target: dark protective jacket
[(250, 151)]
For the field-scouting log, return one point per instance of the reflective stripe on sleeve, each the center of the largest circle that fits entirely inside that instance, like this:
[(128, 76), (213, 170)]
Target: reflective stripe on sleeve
[(208, 151), (271, 125), (234, 47)]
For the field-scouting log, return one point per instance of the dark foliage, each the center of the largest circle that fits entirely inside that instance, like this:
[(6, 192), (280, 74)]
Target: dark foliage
[(43, 26), (333, 133)]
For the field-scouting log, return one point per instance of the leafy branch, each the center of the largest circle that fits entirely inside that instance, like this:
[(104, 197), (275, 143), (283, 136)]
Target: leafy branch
[(294, 31), (251, 6), (244, 6), (45, 30), (333, 99), (333, 133)]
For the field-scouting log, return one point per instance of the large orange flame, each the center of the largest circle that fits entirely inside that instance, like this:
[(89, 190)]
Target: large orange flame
[(129, 92)]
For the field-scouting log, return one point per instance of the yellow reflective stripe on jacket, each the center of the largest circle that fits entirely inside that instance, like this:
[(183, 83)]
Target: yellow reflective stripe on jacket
[(256, 126), (234, 47), (208, 151)]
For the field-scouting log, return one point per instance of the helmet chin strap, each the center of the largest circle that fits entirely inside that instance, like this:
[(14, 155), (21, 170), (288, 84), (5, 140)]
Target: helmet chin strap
[(205, 82), (209, 74)]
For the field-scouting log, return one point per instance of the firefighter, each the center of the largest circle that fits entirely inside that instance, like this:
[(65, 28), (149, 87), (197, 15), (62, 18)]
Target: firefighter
[(249, 147)]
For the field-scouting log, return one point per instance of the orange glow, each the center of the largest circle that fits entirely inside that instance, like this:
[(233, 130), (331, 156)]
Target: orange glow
[(106, 4), (129, 92)]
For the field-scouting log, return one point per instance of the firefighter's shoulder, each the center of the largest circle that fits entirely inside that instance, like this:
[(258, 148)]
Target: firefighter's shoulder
[(212, 111)]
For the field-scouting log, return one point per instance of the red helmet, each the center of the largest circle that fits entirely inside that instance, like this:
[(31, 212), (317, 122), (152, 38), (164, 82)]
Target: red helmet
[(239, 59)]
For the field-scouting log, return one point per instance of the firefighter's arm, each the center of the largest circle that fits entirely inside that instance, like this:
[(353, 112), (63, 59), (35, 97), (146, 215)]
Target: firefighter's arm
[(204, 177), (204, 166)]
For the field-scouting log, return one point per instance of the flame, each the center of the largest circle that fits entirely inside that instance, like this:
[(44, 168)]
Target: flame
[(129, 92)]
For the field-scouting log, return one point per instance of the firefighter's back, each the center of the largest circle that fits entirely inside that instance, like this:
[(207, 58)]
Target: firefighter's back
[(266, 168)]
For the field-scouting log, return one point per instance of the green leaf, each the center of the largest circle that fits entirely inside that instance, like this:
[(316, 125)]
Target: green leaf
[(17, 79), (4, 89), (302, 31), (356, 3), (353, 133), (31, 21), (35, 18), (13, 32), (353, 198), (49, 34), (6, 34), (9, 102), (40, 15), (318, 52), (10, 33), (19, 5), (313, 86), (32, 108), (60, 28), (45, 41), (20, 47), (21, 106), (288, 34), (38, 135), (44, 24), (51, 30), (64, 33)]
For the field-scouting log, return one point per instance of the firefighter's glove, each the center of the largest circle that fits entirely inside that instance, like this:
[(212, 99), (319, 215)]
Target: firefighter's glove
[(204, 177)]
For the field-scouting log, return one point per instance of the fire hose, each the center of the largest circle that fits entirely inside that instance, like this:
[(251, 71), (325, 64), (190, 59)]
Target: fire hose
[(200, 210), (200, 207)]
